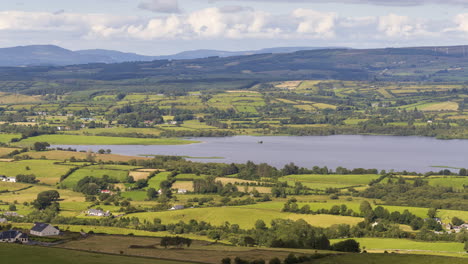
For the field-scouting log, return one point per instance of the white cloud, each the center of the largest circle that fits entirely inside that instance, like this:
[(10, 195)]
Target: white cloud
[(395, 26), (315, 23), (161, 6)]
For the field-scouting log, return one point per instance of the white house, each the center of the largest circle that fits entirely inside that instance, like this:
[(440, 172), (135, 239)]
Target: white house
[(96, 212), (177, 207), (13, 236), (181, 191), (42, 229)]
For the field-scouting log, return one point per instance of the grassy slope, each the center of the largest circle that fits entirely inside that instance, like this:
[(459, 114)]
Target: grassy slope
[(19, 254)]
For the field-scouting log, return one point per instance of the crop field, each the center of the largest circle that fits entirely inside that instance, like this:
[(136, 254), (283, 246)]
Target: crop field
[(97, 140), (186, 185), (445, 106), (19, 254), (79, 174), (6, 151), (241, 216), (329, 181)]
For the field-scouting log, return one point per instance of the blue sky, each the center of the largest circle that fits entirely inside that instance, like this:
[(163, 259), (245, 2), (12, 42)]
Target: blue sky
[(156, 27)]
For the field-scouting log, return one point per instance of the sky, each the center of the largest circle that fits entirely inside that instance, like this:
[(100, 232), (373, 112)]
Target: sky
[(160, 27)]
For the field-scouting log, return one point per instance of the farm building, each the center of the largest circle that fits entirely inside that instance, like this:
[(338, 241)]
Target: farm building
[(7, 179), (13, 236), (97, 212), (181, 191), (42, 229), (177, 207)]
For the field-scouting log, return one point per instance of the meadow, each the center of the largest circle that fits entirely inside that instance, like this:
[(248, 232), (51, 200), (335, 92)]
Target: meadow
[(95, 171), (410, 246), (388, 259), (242, 216), (45, 170), (322, 182)]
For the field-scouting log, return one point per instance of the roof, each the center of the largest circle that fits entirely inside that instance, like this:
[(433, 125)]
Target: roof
[(95, 211), (178, 207), (11, 234), (39, 227)]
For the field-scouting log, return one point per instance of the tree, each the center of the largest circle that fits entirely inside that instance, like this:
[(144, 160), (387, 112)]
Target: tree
[(432, 212), (274, 261), (26, 178), (466, 246), (365, 207), (40, 146), (463, 172), (457, 221), (12, 207), (349, 245), (151, 193), (260, 225), (45, 199), (226, 261)]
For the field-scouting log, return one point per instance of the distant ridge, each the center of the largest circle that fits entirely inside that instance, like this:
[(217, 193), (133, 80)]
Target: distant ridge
[(51, 55)]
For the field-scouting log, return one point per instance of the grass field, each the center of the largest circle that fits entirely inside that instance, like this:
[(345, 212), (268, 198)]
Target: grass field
[(388, 259), (244, 217), (449, 181), (97, 140), (19, 254), (329, 181), (156, 180), (94, 171), (44, 170), (410, 246), (62, 155), (5, 138)]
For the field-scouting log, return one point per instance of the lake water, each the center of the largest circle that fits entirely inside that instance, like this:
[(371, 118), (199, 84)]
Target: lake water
[(380, 152)]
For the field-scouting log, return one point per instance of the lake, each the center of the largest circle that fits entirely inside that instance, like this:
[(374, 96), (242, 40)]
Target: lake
[(380, 152)]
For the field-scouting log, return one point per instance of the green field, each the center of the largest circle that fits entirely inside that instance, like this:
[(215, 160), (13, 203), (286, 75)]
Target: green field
[(97, 140), (449, 181), (45, 170), (156, 180), (322, 182), (94, 171), (242, 216), (5, 138), (19, 254), (410, 246), (388, 259)]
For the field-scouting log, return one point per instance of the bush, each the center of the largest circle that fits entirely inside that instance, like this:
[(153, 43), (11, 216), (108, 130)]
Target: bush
[(349, 245)]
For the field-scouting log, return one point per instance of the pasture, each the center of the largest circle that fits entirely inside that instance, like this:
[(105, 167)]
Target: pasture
[(410, 246), (242, 216), (45, 170), (94, 171), (321, 182), (388, 259)]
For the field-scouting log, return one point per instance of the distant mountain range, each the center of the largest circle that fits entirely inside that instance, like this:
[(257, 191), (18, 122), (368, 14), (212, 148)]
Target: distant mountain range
[(50, 55)]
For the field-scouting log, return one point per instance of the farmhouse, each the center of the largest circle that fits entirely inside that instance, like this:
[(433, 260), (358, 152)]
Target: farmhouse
[(177, 207), (42, 229), (97, 212), (13, 236)]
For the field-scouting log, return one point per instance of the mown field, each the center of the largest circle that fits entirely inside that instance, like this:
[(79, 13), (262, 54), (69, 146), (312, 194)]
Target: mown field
[(411, 246)]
